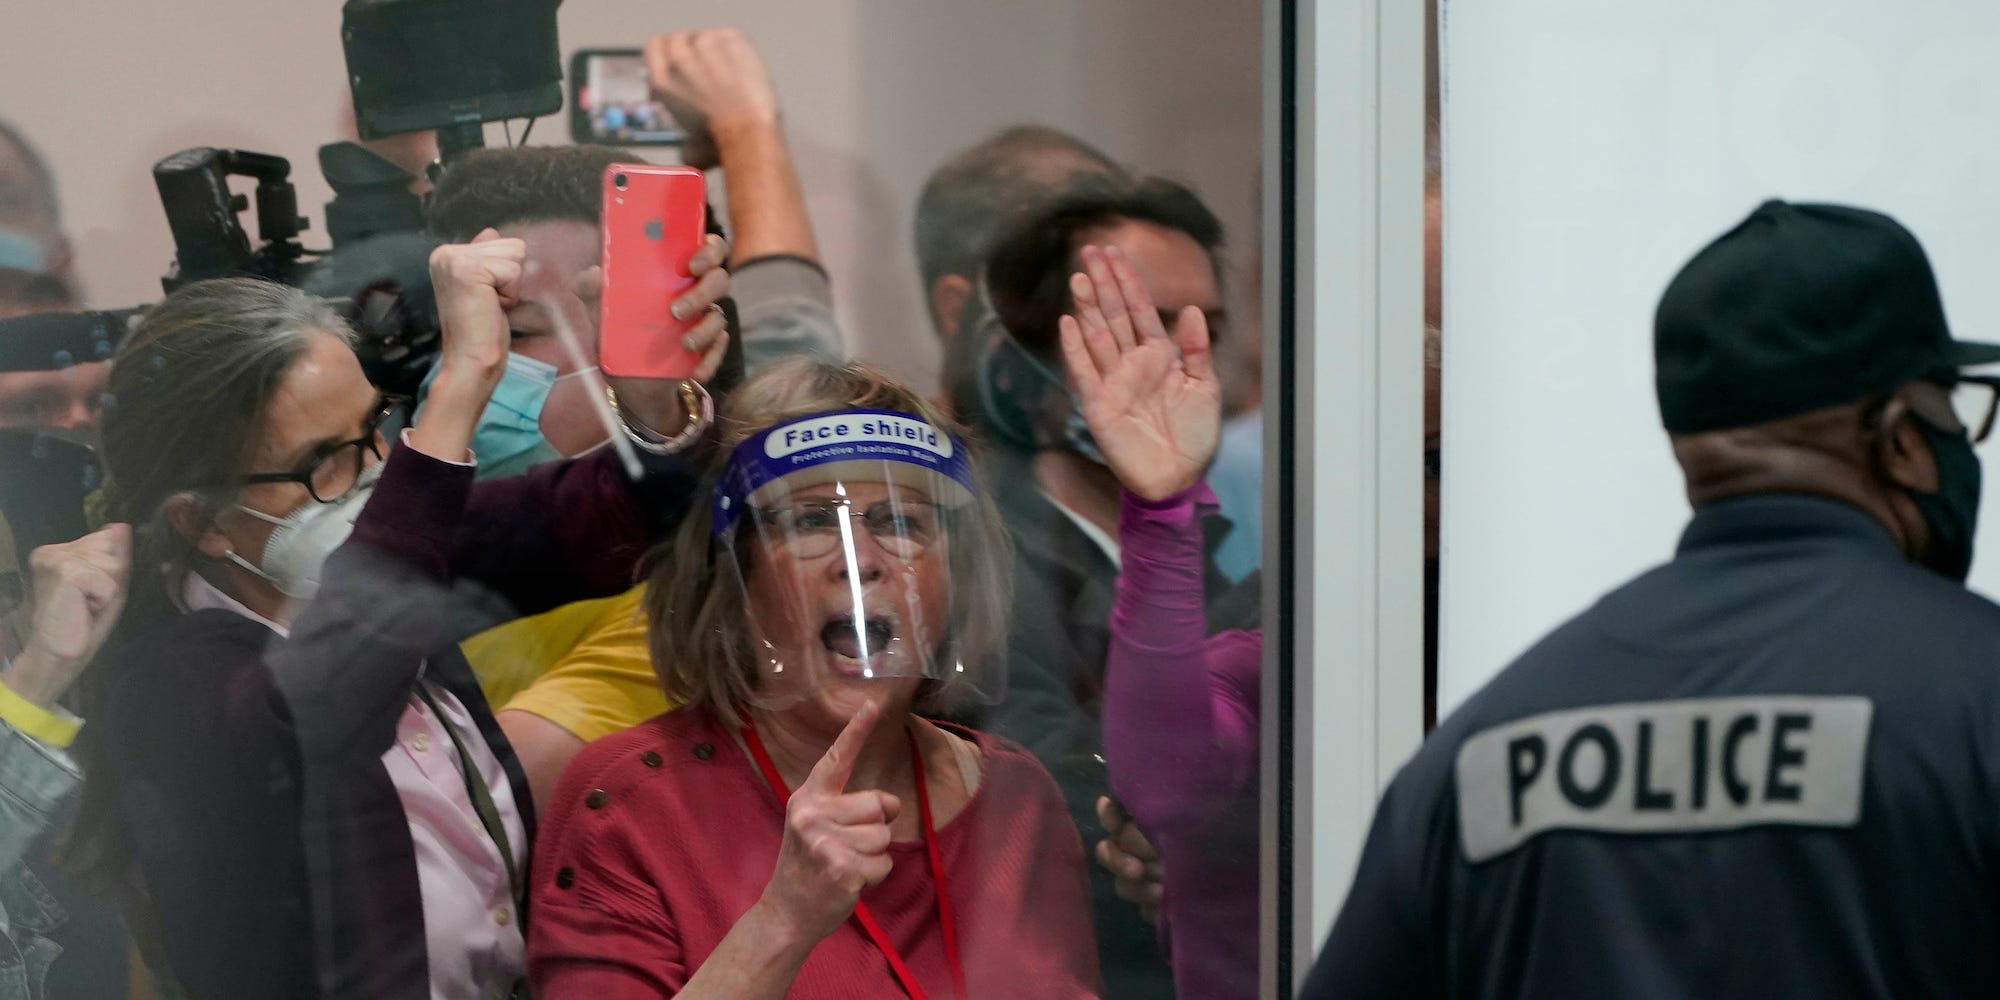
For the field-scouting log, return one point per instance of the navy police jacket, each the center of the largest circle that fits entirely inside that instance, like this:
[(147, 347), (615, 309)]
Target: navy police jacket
[(1769, 768)]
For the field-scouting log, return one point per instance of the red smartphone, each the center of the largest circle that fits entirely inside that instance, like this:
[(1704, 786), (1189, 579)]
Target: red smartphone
[(654, 220)]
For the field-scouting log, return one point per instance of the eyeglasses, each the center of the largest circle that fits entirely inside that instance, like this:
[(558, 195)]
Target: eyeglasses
[(331, 472), (903, 528), (1975, 399)]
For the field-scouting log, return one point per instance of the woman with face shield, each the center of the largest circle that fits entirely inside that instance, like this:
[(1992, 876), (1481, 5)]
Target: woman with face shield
[(802, 828), (294, 787)]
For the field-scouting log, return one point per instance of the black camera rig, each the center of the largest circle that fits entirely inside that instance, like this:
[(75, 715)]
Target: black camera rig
[(412, 65)]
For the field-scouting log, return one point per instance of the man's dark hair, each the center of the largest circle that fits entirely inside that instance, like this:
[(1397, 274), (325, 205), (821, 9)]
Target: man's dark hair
[(967, 201), (40, 203), (1027, 278), (497, 187)]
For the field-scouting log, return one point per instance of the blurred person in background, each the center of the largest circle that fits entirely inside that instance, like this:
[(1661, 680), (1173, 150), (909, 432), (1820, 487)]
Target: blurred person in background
[(295, 787), (24, 292), (32, 243), (1061, 501), (53, 366), (1181, 705), (822, 838), (53, 371), (981, 190)]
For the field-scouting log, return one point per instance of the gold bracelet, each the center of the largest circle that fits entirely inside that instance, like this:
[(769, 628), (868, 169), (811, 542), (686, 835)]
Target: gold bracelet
[(700, 414)]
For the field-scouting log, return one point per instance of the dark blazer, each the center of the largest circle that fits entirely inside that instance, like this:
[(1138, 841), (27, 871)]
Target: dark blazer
[(247, 768)]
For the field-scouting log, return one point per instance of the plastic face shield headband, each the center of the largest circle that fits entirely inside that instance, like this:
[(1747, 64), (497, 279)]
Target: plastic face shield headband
[(839, 530)]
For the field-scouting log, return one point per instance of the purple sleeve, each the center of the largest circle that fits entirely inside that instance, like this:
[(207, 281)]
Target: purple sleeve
[(569, 531), (1180, 706), (561, 532), (415, 510)]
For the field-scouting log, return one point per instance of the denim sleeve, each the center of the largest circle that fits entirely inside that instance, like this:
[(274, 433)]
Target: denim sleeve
[(34, 781)]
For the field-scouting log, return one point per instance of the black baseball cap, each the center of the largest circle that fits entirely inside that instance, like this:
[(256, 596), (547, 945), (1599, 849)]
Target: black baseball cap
[(1798, 308)]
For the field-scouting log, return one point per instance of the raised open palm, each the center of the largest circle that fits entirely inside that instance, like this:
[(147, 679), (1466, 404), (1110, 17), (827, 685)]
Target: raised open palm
[(1150, 397)]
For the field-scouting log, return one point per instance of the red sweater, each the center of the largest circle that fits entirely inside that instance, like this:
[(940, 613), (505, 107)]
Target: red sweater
[(633, 893)]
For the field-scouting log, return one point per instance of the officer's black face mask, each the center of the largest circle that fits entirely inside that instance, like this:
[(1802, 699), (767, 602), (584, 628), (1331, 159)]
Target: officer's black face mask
[(1953, 511)]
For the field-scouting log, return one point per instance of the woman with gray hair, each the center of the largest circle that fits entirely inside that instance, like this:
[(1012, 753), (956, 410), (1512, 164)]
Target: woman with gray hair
[(294, 786), (800, 828)]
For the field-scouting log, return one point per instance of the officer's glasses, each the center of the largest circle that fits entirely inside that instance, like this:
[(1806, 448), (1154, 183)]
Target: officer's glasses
[(903, 528), (1975, 399), (331, 472)]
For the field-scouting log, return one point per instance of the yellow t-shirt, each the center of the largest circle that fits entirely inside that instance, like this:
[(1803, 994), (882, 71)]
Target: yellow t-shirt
[(583, 666)]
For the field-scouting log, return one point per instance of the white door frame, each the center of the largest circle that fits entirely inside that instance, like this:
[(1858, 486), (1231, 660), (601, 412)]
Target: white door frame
[(1343, 264)]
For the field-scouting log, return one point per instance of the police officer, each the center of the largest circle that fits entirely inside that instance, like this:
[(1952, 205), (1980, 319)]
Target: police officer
[(1771, 767)]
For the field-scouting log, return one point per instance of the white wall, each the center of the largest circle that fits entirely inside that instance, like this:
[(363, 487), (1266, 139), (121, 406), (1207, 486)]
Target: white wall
[(1590, 149), (877, 94)]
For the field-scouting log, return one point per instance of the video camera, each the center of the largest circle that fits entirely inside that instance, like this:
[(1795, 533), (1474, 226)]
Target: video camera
[(412, 65)]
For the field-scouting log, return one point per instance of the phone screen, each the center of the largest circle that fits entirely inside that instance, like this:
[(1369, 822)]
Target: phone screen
[(611, 103)]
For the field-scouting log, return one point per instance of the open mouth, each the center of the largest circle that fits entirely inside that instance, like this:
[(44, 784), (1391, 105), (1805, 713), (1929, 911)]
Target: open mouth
[(863, 642)]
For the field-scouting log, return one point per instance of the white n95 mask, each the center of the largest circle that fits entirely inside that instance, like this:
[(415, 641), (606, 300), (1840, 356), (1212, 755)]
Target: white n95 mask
[(297, 551)]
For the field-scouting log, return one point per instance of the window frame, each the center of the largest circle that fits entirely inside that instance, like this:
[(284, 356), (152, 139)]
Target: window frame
[(1344, 164)]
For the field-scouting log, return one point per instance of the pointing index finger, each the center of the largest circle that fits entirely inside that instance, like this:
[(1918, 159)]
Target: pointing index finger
[(830, 775)]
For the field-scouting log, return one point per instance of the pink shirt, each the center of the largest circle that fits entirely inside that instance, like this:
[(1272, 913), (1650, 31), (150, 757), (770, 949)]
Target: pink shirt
[(472, 934)]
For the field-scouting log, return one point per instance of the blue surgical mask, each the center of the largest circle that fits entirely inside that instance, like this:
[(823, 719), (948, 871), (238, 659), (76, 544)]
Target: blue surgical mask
[(509, 438)]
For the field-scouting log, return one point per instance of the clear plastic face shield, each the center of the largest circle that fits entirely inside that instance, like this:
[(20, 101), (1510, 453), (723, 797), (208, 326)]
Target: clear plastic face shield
[(1026, 402), (840, 528)]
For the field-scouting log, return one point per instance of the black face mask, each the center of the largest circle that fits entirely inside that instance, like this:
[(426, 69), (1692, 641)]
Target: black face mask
[(1024, 401), (1953, 511)]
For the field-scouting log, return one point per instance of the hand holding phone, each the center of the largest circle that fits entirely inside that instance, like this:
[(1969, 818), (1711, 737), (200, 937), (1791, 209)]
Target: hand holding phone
[(655, 219)]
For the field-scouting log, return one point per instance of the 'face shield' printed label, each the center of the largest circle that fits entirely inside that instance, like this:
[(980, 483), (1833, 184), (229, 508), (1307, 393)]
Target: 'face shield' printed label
[(861, 428), (864, 436)]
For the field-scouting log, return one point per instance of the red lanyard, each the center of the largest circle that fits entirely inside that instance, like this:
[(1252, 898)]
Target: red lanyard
[(946, 922)]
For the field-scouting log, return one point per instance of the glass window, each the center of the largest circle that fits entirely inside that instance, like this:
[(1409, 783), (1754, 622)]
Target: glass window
[(823, 553)]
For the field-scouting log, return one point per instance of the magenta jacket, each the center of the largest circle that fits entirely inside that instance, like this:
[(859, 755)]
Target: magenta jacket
[(1180, 735)]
